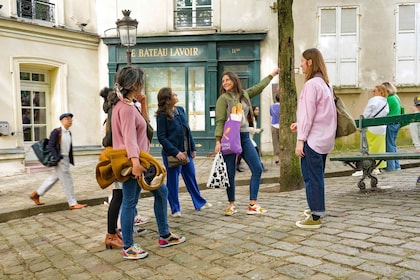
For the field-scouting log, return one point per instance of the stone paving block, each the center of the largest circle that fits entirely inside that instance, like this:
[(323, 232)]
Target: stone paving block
[(386, 240), (344, 259), (378, 268), (334, 270), (303, 260), (354, 235), (296, 271)]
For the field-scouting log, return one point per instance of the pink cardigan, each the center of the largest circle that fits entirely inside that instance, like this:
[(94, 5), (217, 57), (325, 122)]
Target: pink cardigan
[(317, 116), (129, 130)]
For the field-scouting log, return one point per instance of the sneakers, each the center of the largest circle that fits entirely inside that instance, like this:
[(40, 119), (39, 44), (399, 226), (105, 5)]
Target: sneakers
[(138, 231), (176, 214), (255, 209), (357, 173), (376, 171), (205, 206), (134, 253), (307, 213), (309, 223), (173, 239), (418, 182), (138, 221), (230, 210)]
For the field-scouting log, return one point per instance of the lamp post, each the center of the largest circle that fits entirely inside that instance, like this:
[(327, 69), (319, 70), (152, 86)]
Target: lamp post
[(127, 30)]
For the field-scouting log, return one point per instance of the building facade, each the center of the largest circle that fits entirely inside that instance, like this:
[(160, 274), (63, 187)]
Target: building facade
[(60, 53)]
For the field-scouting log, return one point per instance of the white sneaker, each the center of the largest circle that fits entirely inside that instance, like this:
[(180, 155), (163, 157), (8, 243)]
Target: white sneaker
[(205, 206), (376, 171), (357, 173), (177, 214)]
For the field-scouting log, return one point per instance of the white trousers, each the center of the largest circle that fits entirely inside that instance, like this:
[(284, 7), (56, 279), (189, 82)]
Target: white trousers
[(62, 173)]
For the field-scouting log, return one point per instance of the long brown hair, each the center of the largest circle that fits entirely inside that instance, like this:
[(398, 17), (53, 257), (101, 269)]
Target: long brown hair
[(164, 97), (317, 66), (237, 85)]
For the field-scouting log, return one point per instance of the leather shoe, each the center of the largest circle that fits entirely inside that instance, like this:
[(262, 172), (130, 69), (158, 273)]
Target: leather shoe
[(77, 206), (35, 197)]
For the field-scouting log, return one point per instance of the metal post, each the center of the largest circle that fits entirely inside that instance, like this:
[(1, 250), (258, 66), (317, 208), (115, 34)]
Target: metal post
[(128, 56)]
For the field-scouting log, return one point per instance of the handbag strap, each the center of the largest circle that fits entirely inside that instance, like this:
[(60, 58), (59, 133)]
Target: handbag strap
[(380, 110)]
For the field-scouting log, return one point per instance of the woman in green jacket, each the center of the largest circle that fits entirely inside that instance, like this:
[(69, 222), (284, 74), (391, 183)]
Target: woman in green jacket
[(231, 92)]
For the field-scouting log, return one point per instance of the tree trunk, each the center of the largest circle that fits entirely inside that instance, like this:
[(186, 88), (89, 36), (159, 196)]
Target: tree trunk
[(290, 174)]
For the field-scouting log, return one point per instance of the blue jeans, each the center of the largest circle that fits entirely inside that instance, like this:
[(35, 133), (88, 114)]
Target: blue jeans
[(391, 137), (313, 168), (131, 194), (251, 157), (172, 181)]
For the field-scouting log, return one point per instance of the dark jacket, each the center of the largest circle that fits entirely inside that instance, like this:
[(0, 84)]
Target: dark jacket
[(170, 133), (54, 145)]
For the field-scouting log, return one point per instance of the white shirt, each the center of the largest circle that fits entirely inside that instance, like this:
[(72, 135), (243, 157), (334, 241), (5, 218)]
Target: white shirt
[(65, 141)]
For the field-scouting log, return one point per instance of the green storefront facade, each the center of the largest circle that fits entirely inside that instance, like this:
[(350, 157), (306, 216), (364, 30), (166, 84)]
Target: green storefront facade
[(192, 66)]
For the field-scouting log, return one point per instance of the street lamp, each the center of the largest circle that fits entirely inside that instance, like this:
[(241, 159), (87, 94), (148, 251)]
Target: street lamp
[(127, 30)]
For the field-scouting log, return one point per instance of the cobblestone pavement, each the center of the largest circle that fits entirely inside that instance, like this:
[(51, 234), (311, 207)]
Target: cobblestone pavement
[(366, 235)]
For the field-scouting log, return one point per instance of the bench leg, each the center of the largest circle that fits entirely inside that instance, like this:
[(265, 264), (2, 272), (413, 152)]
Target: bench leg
[(367, 166)]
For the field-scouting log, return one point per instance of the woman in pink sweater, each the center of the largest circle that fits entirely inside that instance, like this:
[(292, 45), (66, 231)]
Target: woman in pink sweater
[(315, 127), (129, 132)]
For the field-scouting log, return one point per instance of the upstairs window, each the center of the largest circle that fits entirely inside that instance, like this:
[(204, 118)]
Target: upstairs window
[(408, 45), (193, 14), (338, 42), (36, 10)]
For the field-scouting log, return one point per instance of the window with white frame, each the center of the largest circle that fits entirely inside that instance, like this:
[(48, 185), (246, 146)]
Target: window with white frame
[(408, 44), (33, 101), (339, 43), (43, 10), (193, 14)]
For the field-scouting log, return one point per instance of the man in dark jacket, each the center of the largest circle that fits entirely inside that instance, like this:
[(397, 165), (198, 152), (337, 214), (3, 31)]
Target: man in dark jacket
[(60, 146)]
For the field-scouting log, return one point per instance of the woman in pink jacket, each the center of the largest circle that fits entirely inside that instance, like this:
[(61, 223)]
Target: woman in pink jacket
[(316, 125)]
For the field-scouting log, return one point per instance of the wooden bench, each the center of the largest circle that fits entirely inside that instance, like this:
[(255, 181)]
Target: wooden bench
[(368, 162)]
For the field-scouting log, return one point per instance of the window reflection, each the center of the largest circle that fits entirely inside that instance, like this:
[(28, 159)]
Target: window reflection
[(189, 85)]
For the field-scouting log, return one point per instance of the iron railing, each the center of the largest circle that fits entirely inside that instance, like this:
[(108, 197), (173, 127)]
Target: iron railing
[(36, 9)]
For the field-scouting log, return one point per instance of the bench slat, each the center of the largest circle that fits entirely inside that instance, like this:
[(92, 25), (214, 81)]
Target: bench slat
[(377, 156), (403, 119)]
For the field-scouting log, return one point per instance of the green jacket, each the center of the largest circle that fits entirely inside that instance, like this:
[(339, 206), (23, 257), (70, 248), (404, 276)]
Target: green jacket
[(394, 105), (222, 103)]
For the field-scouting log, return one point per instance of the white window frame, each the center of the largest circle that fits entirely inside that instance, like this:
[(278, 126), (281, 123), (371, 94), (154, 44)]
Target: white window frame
[(340, 59), (407, 70), (194, 16)]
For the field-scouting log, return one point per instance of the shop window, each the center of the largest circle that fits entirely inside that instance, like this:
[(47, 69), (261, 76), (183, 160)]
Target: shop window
[(408, 45), (338, 42), (33, 98), (193, 14), (36, 9), (189, 85)]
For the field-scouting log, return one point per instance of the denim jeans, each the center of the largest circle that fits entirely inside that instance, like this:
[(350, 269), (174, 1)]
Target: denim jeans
[(188, 175), (391, 137), (313, 168), (251, 157), (131, 194)]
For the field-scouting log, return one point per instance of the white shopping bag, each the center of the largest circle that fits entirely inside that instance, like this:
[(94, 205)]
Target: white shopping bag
[(218, 175)]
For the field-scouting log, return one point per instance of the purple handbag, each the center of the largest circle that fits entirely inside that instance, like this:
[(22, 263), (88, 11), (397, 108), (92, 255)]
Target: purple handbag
[(231, 139)]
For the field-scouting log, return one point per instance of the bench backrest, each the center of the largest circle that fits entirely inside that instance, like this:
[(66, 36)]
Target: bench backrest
[(402, 119), (363, 123)]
